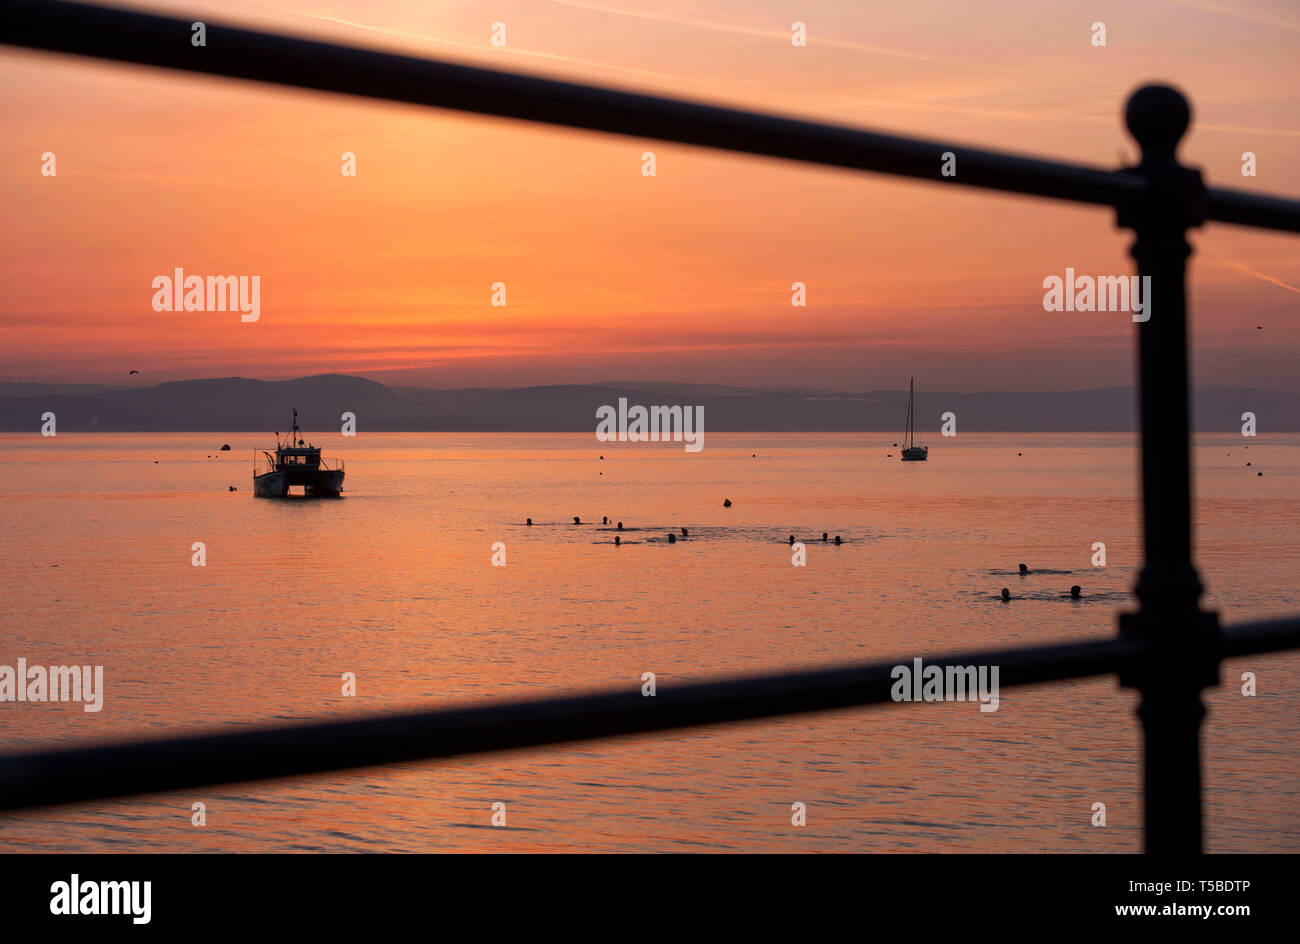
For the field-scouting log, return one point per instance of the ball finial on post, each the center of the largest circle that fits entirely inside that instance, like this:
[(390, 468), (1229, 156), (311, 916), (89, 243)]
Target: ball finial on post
[(1157, 116)]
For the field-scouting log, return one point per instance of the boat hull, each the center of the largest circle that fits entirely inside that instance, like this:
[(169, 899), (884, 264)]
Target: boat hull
[(915, 453), (321, 483), (270, 485)]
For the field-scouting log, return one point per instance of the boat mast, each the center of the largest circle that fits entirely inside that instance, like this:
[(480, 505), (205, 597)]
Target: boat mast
[(911, 430)]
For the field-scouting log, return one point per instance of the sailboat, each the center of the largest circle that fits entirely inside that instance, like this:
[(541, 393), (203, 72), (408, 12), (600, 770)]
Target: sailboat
[(911, 451)]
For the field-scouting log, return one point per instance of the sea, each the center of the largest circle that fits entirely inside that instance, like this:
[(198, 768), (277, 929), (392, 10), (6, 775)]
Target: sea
[(212, 610)]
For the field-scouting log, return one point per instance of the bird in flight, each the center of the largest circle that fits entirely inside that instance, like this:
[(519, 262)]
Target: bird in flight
[(133, 372)]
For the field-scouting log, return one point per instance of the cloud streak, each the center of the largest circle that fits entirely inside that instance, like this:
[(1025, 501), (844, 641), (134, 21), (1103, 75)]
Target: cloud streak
[(737, 29)]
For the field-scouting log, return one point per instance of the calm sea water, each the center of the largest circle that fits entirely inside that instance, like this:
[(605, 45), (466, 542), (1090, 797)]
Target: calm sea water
[(394, 583)]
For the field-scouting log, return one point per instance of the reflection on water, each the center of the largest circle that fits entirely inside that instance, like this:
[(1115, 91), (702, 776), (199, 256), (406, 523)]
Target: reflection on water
[(395, 584)]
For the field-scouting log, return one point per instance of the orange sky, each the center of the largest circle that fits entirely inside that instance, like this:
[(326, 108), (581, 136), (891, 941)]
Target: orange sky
[(612, 275)]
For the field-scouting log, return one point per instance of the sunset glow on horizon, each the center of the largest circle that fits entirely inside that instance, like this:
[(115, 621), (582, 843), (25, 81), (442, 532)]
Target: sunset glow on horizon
[(684, 276)]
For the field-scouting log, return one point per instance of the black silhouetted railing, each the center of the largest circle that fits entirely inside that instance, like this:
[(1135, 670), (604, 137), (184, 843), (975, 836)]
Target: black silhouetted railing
[(1169, 649)]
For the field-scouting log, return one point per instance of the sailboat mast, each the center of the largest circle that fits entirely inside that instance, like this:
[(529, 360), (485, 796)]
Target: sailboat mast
[(911, 428)]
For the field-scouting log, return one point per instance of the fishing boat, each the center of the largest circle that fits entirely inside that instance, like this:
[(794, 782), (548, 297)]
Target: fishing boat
[(911, 451), (296, 463)]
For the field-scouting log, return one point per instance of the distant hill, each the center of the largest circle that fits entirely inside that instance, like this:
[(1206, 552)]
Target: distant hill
[(236, 403)]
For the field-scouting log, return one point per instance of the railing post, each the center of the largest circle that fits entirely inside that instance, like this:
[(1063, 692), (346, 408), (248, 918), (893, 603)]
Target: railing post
[(1181, 642)]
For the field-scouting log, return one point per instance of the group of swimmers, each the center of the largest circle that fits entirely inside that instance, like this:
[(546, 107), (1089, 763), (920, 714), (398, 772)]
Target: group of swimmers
[(825, 539), (672, 537), (1075, 591)]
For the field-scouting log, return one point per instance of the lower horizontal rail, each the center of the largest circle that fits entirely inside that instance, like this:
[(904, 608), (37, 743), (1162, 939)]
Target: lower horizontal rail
[(94, 773), (1245, 639)]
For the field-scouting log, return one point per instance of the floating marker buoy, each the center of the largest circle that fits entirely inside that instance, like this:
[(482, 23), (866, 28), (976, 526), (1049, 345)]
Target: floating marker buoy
[(1006, 594), (838, 540), (1075, 591), (1024, 569), (726, 503), (672, 538)]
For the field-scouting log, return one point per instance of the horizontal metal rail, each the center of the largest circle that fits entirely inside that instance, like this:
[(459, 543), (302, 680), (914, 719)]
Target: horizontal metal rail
[(1248, 639), (148, 39), (94, 773), (73, 775)]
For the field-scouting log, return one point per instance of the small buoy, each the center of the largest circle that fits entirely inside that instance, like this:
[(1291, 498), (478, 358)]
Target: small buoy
[(577, 520), (1020, 453), (233, 489), (838, 539), (529, 522), (1006, 594), (1024, 569), (226, 447), (617, 540), (683, 532), (672, 538), (726, 503), (1075, 591), (605, 520), (1259, 473), (620, 526), (1247, 463), (792, 539), (602, 458), (895, 445), (824, 537)]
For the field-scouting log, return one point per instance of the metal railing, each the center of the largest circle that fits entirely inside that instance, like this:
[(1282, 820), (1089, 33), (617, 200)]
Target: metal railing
[(1169, 649)]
